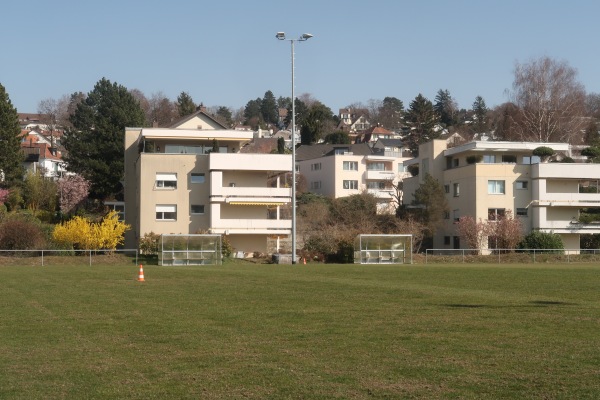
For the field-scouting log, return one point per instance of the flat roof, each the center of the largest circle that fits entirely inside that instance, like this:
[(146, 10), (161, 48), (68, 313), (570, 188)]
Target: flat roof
[(227, 134), (503, 146)]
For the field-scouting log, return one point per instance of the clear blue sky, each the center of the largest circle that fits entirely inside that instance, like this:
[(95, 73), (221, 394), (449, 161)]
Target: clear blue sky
[(224, 52)]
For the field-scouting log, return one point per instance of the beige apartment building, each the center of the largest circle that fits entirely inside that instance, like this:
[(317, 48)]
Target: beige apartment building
[(485, 179), (345, 169), (177, 183)]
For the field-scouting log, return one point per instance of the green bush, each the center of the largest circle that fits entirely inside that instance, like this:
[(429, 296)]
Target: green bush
[(543, 152), (541, 240), (474, 159)]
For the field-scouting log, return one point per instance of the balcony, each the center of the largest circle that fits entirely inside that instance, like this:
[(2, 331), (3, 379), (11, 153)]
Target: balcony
[(569, 200), (270, 195), (252, 226), (374, 175), (570, 227)]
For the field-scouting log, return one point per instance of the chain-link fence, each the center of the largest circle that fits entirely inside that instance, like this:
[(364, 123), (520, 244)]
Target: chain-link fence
[(68, 257), (508, 256)]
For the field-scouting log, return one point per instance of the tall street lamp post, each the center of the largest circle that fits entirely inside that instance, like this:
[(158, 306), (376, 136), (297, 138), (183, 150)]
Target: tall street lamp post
[(304, 37)]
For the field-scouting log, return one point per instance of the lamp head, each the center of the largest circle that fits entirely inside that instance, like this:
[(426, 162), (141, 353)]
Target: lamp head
[(280, 35), (306, 36)]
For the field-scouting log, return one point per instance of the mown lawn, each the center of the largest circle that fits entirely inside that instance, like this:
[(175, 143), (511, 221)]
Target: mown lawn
[(300, 332)]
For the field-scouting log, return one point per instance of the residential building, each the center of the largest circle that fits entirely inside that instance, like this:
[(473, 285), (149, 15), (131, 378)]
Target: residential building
[(176, 182), (353, 120), (42, 155), (343, 170), (374, 133), (485, 179)]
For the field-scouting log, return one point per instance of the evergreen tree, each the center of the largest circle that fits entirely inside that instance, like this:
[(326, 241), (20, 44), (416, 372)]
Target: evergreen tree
[(11, 157), (185, 104), (252, 113), (390, 113), (95, 143), (480, 111), (446, 107), (280, 145), (431, 197), (301, 113), (224, 113), (422, 118), (318, 119), (268, 108)]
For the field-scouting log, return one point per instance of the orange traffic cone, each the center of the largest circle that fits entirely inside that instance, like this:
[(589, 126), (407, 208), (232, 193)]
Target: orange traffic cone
[(141, 275)]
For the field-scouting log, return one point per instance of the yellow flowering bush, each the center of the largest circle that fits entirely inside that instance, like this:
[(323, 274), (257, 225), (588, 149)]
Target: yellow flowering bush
[(82, 234)]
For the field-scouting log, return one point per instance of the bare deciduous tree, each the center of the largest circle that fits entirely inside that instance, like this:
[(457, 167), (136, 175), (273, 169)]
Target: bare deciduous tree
[(474, 232), (551, 101)]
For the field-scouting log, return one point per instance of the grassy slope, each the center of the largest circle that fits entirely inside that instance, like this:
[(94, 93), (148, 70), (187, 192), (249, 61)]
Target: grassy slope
[(266, 331)]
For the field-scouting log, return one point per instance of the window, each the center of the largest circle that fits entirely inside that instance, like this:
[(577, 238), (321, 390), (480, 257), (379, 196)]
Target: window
[(401, 167), (456, 215), (522, 212), (489, 159), (166, 181), (376, 185), (197, 208), (350, 184), (447, 188), (454, 162), (350, 165), (447, 240), (446, 214), (521, 184), (494, 214), (315, 185), (197, 177), (166, 212), (509, 159), (456, 190), (376, 166), (496, 187), (341, 151), (315, 167), (531, 160)]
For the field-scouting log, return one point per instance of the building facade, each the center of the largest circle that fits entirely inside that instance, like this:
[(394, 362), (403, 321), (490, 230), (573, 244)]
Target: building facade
[(485, 179), (342, 170), (186, 181)]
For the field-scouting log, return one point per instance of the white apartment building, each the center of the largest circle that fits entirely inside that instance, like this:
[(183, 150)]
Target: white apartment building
[(345, 169), (484, 179), (175, 182)]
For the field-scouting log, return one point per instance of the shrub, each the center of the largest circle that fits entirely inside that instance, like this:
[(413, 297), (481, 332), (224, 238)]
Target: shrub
[(226, 247), (149, 244), (474, 159), (543, 152), (81, 233), (541, 240), (21, 234)]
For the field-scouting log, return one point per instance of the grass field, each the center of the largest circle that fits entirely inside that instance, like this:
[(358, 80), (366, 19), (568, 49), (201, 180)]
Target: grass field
[(300, 332)]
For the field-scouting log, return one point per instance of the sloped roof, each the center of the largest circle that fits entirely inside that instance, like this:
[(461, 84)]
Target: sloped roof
[(310, 152), (198, 113), (260, 146)]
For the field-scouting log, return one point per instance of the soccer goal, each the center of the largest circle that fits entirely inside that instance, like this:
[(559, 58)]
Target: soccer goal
[(383, 249)]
